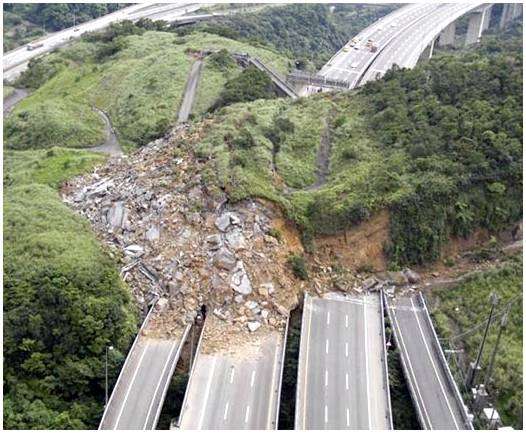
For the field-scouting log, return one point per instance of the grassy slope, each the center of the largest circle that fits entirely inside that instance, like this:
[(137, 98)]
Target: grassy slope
[(140, 88), (460, 308), (53, 350)]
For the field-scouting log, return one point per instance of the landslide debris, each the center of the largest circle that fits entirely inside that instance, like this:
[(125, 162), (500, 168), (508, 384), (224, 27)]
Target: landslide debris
[(185, 246)]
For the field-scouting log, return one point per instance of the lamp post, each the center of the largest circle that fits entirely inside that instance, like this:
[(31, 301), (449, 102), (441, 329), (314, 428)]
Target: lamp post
[(108, 348)]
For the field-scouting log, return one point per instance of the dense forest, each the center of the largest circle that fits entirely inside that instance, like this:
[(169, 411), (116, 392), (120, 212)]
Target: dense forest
[(26, 21)]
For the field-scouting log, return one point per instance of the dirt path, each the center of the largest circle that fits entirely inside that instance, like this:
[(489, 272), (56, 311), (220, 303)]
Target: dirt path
[(111, 145), (189, 92), (13, 99)]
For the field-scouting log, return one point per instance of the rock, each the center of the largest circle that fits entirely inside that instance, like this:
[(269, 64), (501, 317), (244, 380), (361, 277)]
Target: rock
[(411, 276), (253, 326), (435, 274), (240, 281), (117, 215), (264, 314), (251, 305), (224, 259), (173, 288), (223, 222), (214, 242), (134, 250), (235, 239), (282, 310), (238, 299), (266, 289), (271, 240), (162, 305), (152, 234), (369, 283), (398, 278), (219, 314)]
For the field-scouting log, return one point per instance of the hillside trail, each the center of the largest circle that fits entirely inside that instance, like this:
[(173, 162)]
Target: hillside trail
[(323, 158), (13, 99), (111, 144)]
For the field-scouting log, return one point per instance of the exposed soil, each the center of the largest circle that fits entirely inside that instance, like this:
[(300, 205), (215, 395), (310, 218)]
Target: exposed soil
[(322, 159), (111, 144), (13, 99)]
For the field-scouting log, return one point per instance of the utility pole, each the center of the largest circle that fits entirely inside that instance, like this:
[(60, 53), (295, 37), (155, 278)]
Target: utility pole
[(475, 366), (503, 324)]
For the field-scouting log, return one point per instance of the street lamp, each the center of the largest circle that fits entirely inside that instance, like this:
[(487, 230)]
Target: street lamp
[(108, 348)]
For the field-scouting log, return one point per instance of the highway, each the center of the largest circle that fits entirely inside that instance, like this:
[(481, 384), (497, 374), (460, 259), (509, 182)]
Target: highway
[(234, 391), (407, 47), (138, 395), (351, 62), (15, 61), (437, 400), (342, 374)]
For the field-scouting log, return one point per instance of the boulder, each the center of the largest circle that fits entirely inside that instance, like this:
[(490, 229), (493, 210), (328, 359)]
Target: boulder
[(266, 289), (214, 242), (235, 239), (117, 215), (224, 259), (240, 281), (134, 250), (251, 305), (226, 219), (253, 326), (411, 276), (152, 234)]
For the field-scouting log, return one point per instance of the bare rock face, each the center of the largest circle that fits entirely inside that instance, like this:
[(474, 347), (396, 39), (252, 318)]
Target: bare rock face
[(224, 259), (240, 281)]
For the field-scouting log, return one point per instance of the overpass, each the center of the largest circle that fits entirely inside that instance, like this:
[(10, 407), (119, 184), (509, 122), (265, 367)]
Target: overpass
[(435, 395), (342, 368), (236, 385), (138, 395), (15, 61), (402, 36)]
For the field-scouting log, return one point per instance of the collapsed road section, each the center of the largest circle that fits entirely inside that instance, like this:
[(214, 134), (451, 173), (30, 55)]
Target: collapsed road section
[(138, 395), (234, 386), (342, 374)]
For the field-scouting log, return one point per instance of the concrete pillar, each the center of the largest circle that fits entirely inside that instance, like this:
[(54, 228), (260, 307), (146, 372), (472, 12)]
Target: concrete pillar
[(487, 18), (431, 48), (517, 10), (447, 37), (474, 28), (504, 16)]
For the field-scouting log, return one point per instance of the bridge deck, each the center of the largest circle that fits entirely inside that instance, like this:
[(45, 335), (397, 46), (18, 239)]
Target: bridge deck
[(342, 378), (138, 395), (437, 402), (234, 390)]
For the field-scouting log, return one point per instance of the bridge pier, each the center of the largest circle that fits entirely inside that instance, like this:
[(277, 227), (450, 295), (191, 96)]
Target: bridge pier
[(432, 47), (447, 37), (510, 11), (478, 22)]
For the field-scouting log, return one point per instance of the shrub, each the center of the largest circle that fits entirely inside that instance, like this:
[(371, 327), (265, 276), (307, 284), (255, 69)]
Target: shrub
[(299, 266)]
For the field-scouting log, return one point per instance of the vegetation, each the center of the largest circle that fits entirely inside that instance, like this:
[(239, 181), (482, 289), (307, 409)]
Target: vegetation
[(135, 75), (460, 308), (24, 22), (309, 33), (299, 267), (64, 302), (447, 160)]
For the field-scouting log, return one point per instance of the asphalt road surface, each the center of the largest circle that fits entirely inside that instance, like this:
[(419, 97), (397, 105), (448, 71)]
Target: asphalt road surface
[(351, 62), (438, 409), (190, 90), (235, 392), (342, 381), (15, 61), (406, 48), (138, 396)]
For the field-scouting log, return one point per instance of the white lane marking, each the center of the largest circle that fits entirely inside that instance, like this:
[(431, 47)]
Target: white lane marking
[(247, 412), (348, 418), (326, 378), (346, 350), (227, 405), (272, 384), (307, 307), (347, 381), (207, 394), (327, 346), (252, 378), (174, 346), (404, 349), (130, 386), (346, 321), (326, 414), (232, 374), (434, 366), (366, 365), (328, 317)]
